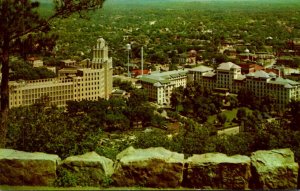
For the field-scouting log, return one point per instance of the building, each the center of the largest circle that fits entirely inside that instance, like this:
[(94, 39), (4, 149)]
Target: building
[(228, 76), (35, 62), (159, 85), (250, 67), (88, 80)]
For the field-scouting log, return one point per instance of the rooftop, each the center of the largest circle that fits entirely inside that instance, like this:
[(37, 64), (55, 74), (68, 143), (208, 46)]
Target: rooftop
[(259, 74), (228, 66), (158, 78), (287, 83), (202, 68)]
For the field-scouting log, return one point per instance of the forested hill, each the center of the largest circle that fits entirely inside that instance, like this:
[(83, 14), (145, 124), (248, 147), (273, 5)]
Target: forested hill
[(169, 3), (218, 3), (164, 1)]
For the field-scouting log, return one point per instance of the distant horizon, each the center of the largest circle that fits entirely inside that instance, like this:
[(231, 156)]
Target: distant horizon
[(182, 1)]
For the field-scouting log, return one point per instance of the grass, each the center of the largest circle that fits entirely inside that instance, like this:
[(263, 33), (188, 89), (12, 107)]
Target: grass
[(230, 115)]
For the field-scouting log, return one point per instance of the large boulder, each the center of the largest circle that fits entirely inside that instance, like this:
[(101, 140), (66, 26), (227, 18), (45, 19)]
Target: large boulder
[(24, 168), (274, 169), (218, 171), (89, 169), (152, 167)]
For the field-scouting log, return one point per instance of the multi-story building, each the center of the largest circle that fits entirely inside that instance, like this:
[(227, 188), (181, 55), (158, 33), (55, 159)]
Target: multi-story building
[(159, 85), (88, 80), (228, 76)]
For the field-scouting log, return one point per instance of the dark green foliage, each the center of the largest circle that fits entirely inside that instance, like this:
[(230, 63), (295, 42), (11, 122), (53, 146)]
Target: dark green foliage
[(24, 31), (138, 108), (190, 139), (123, 85), (231, 144), (80, 128), (51, 130), (65, 178), (221, 118), (195, 102), (154, 138), (295, 114), (25, 71), (246, 98), (241, 114), (232, 101)]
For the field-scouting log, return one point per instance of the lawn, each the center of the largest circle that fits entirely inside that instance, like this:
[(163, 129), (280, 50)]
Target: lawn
[(230, 114)]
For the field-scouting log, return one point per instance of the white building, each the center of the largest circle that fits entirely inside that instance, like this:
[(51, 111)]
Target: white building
[(228, 76), (90, 80), (159, 85)]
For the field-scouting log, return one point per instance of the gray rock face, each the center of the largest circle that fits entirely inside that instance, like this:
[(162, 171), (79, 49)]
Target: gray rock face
[(274, 169), (218, 171), (24, 168), (90, 169), (152, 167)]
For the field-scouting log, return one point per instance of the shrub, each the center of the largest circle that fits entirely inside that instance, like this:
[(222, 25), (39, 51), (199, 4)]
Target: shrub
[(65, 179)]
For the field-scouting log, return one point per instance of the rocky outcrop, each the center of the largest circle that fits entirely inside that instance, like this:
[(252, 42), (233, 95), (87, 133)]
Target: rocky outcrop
[(24, 168), (152, 167), (218, 171), (89, 169), (274, 169)]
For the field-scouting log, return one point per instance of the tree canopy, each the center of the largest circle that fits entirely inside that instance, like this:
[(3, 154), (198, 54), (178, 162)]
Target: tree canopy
[(20, 20)]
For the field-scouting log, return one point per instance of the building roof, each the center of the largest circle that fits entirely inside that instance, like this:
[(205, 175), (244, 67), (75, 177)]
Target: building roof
[(259, 74), (209, 74), (159, 78), (68, 61), (118, 91), (287, 83), (272, 74), (201, 68), (240, 77), (228, 66)]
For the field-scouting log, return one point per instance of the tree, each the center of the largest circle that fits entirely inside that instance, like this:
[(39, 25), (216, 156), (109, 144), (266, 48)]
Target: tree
[(51, 130), (241, 114), (246, 97), (222, 118), (176, 97), (295, 114), (20, 19)]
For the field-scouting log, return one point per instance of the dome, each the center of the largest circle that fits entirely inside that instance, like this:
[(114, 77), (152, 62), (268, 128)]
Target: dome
[(247, 50)]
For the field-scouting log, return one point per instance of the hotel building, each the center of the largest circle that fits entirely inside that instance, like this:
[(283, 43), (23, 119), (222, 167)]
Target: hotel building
[(159, 85), (88, 80), (228, 76)]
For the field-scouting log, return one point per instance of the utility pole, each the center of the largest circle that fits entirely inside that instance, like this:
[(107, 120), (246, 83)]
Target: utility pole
[(142, 60), (128, 48)]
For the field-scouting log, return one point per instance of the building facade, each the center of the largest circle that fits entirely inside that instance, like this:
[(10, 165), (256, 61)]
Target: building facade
[(228, 76), (159, 85), (87, 80)]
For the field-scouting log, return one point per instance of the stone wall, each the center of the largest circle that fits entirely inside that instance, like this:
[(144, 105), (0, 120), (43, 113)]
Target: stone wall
[(152, 167)]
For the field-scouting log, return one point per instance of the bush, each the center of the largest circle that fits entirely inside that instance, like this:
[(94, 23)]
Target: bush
[(65, 179)]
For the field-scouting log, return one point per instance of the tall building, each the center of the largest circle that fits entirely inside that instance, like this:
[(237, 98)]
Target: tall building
[(159, 85), (88, 80), (228, 76)]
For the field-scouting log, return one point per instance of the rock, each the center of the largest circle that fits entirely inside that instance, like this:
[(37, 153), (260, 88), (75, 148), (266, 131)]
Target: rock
[(218, 171), (90, 169), (152, 167), (24, 168), (274, 169)]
